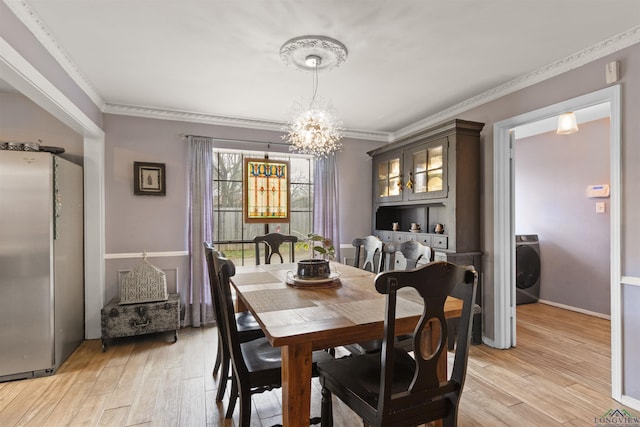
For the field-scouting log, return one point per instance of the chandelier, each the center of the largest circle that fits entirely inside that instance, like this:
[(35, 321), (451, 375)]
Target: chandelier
[(314, 129)]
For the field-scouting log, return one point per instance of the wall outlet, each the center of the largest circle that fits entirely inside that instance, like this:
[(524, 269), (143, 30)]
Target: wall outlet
[(601, 207)]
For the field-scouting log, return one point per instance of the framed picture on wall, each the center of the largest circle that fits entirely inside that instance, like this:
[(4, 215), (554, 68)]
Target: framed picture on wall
[(266, 191), (149, 179)]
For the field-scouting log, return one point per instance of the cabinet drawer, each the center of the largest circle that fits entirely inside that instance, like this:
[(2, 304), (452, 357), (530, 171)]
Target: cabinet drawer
[(439, 242), (425, 239), (399, 237), (392, 236), (386, 236)]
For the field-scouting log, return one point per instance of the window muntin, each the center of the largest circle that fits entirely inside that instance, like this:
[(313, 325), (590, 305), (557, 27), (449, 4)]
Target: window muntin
[(230, 234)]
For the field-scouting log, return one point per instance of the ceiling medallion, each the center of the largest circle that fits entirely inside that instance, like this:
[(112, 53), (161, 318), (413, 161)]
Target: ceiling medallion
[(331, 52), (314, 130)]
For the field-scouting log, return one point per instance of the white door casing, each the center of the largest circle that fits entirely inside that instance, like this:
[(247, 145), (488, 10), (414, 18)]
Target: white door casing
[(503, 203)]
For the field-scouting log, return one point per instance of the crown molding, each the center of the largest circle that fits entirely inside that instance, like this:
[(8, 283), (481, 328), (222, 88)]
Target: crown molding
[(204, 118), (368, 135), (28, 17), (590, 54), (24, 13), (190, 116)]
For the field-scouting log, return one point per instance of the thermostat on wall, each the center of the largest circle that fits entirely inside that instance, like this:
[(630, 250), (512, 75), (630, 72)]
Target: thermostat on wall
[(600, 190)]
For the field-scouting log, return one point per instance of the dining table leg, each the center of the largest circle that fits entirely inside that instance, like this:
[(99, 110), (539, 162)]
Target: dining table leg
[(442, 362), (296, 384)]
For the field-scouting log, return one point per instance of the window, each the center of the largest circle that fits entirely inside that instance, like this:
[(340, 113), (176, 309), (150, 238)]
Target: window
[(230, 233)]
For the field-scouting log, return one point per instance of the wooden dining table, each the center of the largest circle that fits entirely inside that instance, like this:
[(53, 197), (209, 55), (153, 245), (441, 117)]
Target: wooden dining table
[(301, 320)]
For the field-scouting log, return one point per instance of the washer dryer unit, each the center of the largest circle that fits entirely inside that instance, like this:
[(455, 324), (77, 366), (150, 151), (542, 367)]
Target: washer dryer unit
[(527, 268)]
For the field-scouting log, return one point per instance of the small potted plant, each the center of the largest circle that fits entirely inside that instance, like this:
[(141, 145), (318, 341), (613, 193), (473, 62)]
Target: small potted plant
[(316, 268)]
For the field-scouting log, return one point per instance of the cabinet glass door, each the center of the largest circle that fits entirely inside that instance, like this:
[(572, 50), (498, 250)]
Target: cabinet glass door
[(435, 169), (427, 173), (419, 171), (389, 179)]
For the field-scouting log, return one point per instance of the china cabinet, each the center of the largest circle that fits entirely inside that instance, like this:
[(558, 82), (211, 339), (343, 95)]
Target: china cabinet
[(430, 178)]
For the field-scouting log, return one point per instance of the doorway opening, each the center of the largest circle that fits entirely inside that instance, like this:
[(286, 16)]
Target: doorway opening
[(562, 223), (504, 222)]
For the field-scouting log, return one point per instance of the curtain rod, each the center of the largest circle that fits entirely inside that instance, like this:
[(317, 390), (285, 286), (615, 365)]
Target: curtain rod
[(246, 141)]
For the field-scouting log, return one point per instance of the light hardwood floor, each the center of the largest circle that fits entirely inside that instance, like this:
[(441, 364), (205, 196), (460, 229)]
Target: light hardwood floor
[(559, 374)]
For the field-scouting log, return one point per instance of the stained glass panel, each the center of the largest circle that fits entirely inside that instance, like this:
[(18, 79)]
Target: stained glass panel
[(266, 190)]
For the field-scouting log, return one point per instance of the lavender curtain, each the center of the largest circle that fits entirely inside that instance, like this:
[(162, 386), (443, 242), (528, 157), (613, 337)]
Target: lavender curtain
[(197, 301), (325, 201)]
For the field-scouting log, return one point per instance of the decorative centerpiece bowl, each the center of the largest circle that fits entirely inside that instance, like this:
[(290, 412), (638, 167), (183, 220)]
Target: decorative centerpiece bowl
[(313, 269)]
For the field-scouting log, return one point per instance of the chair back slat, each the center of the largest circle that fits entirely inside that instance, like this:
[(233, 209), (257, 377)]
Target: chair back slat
[(224, 269), (209, 251), (372, 247), (271, 243), (434, 282), (414, 254)]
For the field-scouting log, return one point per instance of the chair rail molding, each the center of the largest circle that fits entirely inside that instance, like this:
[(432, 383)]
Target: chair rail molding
[(126, 255), (630, 280)]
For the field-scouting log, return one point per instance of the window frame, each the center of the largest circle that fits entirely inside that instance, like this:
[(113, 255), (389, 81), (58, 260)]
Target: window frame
[(240, 246)]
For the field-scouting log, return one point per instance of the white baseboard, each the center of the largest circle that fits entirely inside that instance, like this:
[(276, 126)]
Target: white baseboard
[(630, 402), (576, 309), (492, 343)]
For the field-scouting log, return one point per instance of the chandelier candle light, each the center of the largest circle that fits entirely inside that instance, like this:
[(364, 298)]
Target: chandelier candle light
[(314, 130)]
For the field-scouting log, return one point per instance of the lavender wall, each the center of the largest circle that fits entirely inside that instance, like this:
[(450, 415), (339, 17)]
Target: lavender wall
[(159, 224), (551, 175), (585, 79), (582, 80), (23, 121), (630, 305), (144, 223)]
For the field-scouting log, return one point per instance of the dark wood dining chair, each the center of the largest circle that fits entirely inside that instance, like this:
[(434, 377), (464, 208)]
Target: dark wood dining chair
[(257, 365), (414, 254), (391, 388), (247, 326), (271, 243), (370, 248)]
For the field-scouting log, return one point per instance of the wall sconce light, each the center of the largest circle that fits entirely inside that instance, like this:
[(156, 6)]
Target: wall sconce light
[(567, 124)]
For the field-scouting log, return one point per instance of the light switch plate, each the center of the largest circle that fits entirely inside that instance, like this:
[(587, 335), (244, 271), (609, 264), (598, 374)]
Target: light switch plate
[(600, 207)]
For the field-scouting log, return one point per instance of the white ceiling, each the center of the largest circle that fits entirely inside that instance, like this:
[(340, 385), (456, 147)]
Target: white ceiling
[(407, 60)]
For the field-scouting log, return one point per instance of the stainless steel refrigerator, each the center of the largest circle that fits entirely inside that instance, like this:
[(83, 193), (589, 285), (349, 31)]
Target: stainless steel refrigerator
[(41, 262)]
